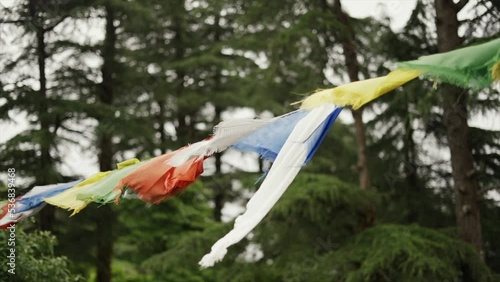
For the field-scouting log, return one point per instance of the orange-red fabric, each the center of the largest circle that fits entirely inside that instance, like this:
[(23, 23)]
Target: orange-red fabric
[(5, 209), (4, 214), (155, 181)]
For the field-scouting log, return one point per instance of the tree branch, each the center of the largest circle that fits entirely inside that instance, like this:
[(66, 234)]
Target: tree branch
[(12, 21), (53, 25), (460, 5)]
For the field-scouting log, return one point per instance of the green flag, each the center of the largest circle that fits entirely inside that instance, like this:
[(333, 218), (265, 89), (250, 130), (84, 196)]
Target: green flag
[(104, 191), (475, 67)]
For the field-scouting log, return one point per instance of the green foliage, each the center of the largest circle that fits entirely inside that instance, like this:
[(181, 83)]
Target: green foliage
[(312, 234), (146, 230), (34, 258), (490, 212), (317, 204), (322, 211), (338, 154), (180, 262), (403, 253), (125, 271)]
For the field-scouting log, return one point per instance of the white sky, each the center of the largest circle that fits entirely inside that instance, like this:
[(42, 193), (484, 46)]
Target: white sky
[(398, 10)]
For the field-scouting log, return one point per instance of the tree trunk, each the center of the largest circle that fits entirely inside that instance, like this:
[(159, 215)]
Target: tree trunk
[(219, 197), (47, 215), (219, 186), (457, 130), (410, 173), (106, 214), (346, 39), (161, 124), (185, 128), (104, 243), (362, 165), (46, 174)]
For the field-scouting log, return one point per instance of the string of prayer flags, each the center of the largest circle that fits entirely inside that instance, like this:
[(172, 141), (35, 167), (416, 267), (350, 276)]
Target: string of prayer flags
[(289, 141)]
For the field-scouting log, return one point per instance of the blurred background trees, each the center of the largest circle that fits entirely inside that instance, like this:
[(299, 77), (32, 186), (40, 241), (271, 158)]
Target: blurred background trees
[(122, 79)]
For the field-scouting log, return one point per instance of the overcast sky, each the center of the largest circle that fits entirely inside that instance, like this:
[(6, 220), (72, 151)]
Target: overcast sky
[(398, 10)]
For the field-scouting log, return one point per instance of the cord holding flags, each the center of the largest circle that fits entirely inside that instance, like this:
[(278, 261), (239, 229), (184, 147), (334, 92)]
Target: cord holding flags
[(289, 141)]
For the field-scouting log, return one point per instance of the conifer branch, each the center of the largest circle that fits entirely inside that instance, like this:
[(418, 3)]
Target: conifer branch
[(460, 5)]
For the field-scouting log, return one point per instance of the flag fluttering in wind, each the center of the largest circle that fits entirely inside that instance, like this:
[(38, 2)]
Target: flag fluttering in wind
[(30, 203), (36, 196), (268, 140), (155, 181), (6, 214), (69, 199), (12, 218), (475, 67), (298, 148), (104, 191), (358, 93), (289, 141)]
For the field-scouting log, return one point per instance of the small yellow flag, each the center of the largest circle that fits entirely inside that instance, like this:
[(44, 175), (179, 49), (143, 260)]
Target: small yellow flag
[(358, 93), (495, 72), (68, 199)]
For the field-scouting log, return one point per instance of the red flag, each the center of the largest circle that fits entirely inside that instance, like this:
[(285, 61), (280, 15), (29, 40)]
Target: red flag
[(155, 180), (7, 219)]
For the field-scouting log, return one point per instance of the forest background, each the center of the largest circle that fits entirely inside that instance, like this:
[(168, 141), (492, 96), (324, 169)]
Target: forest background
[(404, 189)]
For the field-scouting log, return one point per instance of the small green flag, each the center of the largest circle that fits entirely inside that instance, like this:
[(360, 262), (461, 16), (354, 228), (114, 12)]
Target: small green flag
[(104, 191), (476, 67)]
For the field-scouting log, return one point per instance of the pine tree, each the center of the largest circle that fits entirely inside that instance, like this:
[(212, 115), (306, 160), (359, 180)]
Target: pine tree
[(347, 40), (35, 259), (403, 169), (454, 103), (34, 152)]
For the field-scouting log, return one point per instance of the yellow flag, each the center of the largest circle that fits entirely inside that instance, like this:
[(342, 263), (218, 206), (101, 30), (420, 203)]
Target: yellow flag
[(68, 199), (358, 93), (495, 72)]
